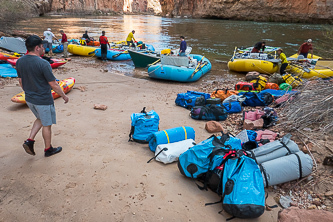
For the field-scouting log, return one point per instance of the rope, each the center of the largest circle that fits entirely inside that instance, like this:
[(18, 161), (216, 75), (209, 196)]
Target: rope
[(155, 69)]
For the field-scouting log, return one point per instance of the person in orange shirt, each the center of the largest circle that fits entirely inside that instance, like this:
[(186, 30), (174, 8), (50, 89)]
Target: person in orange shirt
[(104, 45)]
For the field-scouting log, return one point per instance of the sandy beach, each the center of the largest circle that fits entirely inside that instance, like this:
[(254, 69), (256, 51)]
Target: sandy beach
[(99, 175)]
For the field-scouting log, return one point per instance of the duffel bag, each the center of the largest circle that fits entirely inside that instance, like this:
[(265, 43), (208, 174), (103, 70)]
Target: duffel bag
[(271, 85), (233, 107), (223, 93), (209, 112), (191, 99), (244, 86), (257, 99), (259, 83)]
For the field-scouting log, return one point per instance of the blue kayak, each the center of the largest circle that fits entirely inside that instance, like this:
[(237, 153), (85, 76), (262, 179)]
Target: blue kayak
[(119, 55), (181, 73), (7, 70), (56, 48)]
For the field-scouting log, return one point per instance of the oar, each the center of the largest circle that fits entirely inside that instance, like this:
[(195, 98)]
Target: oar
[(233, 56), (154, 62), (205, 63), (115, 56), (199, 63)]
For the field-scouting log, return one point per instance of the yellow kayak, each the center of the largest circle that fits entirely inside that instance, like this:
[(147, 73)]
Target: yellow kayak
[(81, 50), (322, 69), (249, 65)]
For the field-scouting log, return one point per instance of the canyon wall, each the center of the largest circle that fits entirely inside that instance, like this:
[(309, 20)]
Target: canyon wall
[(107, 6), (312, 11)]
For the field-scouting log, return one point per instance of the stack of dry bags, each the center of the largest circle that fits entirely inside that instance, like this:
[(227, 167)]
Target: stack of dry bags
[(281, 161)]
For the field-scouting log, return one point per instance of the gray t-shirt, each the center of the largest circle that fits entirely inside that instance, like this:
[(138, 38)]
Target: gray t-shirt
[(35, 73)]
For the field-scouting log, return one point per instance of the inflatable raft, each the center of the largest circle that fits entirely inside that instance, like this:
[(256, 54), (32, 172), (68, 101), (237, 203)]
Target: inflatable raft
[(56, 62), (65, 84), (180, 69), (323, 69), (122, 53), (7, 70), (81, 50), (249, 65)]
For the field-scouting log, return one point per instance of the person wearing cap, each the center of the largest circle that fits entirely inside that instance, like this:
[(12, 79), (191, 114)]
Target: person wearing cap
[(130, 37), (259, 46), (305, 48), (48, 36), (36, 79), (103, 40), (284, 61), (183, 46), (64, 42)]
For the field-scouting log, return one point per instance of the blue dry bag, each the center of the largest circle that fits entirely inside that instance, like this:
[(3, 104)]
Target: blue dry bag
[(233, 107), (209, 112), (191, 99), (257, 99), (143, 124)]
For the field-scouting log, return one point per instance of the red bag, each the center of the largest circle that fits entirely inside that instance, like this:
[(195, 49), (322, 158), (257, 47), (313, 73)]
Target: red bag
[(246, 86)]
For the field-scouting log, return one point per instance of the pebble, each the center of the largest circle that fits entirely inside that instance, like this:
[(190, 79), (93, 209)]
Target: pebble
[(329, 194), (285, 201), (312, 207)]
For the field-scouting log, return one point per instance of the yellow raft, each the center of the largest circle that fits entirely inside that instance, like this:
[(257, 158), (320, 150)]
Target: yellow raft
[(249, 65), (309, 56), (81, 50), (322, 69)]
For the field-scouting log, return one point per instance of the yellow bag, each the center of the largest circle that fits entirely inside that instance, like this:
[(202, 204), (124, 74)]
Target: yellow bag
[(259, 83), (165, 51), (291, 80)]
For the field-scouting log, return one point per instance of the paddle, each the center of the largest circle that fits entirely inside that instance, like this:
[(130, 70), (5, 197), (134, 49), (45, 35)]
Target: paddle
[(154, 62), (205, 63), (232, 58), (199, 63), (124, 52)]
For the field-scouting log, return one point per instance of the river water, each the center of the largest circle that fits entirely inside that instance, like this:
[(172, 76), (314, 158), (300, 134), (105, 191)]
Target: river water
[(216, 39)]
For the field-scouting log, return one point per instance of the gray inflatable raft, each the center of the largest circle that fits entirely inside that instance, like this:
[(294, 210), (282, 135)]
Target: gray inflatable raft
[(273, 150), (13, 44), (286, 168)]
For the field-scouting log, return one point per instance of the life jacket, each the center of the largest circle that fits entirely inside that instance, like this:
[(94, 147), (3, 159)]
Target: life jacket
[(245, 86), (223, 93), (294, 81)]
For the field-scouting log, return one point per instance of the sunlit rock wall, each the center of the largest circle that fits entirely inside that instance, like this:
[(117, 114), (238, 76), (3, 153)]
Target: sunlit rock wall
[(312, 11), (112, 6)]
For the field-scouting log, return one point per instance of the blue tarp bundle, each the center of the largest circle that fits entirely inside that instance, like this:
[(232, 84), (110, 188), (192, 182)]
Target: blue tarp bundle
[(170, 136), (7, 70)]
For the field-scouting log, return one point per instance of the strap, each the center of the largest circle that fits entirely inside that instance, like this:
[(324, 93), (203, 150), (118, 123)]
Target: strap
[(167, 135), (283, 144), (270, 206), (299, 165), (164, 149), (185, 132), (220, 201), (265, 175), (253, 156), (130, 139), (144, 110), (230, 218)]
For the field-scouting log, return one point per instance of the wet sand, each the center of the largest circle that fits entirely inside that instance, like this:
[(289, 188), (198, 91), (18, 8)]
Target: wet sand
[(99, 175)]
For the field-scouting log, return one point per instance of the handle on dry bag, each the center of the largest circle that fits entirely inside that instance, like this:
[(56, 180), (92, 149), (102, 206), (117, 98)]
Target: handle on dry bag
[(164, 149), (144, 110)]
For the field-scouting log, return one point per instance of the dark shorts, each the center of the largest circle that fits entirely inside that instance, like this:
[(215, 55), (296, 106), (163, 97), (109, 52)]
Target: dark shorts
[(305, 55), (45, 113), (130, 42), (104, 48)]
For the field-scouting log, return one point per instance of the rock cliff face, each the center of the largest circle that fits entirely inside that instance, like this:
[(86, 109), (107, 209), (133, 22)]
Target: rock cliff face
[(312, 11), (112, 6)]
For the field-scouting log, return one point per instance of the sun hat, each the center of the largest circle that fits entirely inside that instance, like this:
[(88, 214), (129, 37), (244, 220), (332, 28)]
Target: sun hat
[(48, 29), (279, 49)]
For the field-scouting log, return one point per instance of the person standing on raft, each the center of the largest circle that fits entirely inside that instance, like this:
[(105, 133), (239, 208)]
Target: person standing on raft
[(305, 48), (183, 46), (130, 37)]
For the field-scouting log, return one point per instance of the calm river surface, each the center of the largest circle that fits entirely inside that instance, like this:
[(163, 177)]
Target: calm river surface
[(216, 39)]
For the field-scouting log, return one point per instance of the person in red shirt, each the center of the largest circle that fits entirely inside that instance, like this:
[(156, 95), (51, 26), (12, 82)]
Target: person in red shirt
[(305, 48), (104, 45), (64, 42)]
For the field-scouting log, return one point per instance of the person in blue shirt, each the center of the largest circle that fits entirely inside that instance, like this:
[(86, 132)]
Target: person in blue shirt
[(182, 46)]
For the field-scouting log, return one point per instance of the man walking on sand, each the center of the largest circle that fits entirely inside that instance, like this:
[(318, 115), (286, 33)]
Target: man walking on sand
[(64, 42), (37, 80)]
